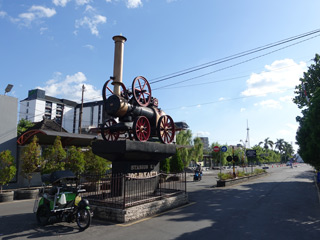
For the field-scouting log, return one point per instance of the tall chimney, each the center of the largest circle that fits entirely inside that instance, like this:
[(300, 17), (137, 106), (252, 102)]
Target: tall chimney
[(118, 63)]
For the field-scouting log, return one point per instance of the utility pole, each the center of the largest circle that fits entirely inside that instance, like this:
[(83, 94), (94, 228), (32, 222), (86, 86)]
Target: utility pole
[(81, 110)]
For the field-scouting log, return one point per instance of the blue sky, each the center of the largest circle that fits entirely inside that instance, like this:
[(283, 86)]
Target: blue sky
[(61, 44)]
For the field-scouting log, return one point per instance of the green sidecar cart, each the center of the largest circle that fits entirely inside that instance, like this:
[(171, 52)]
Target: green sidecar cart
[(61, 200)]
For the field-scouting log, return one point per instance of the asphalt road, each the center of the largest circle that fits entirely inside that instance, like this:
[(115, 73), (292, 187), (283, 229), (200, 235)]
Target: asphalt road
[(282, 205)]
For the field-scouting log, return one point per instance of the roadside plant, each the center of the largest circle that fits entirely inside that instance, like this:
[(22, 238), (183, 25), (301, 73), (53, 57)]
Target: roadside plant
[(176, 163), (31, 160), (7, 168), (165, 165), (54, 157), (94, 164), (75, 160)]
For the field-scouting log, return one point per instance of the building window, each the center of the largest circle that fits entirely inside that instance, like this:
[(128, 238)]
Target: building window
[(48, 104), (59, 107), (27, 110), (27, 104), (27, 117)]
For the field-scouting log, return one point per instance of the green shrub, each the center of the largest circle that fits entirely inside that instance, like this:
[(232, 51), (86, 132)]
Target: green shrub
[(7, 168)]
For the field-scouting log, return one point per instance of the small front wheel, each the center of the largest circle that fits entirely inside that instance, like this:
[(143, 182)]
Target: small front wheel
[(43, 215), (83, 218)]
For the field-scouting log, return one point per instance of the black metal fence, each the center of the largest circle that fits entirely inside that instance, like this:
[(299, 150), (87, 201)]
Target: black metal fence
[(122, 191)]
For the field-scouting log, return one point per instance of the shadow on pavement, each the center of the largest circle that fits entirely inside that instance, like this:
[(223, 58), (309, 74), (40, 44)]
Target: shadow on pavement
[(266, 210)]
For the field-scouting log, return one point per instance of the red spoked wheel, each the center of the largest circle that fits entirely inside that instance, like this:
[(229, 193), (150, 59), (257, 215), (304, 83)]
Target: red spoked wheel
[(141, 129), (107, 91), (165, 129), (106, 134), (141, 91)]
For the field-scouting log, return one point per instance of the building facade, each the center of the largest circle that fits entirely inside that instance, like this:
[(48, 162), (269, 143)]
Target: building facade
[(8, 124), (65, 112), (205, 141)]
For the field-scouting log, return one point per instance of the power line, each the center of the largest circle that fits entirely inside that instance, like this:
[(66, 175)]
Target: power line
[(235, 56), (226, 100), (211, 82)]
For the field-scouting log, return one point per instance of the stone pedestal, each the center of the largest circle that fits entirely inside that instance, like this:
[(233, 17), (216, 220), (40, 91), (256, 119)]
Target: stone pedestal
[(134, 158)]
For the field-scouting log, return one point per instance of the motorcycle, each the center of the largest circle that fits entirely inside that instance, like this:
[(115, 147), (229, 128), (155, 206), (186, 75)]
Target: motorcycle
[(62, 201), (197, 176)]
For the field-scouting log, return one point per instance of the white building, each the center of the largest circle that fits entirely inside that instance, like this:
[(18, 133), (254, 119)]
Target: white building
[(38, 106)]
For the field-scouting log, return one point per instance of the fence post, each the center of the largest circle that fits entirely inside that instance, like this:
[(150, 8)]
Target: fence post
[(124, 191), (160, 183), (185, 181)]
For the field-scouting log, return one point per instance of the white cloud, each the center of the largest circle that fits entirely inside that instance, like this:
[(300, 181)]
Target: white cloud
[(269, 104), (199, 106), (89, 8), (42, 12), (134, 3), (91, 23), (36, 12), (82, 2), (27, 17), (61, 3), (279, 76), (286, 99), (221, 99), (43, 29), (242, 109), (70, 87), (293, 126), (3, 14), (89, 46)]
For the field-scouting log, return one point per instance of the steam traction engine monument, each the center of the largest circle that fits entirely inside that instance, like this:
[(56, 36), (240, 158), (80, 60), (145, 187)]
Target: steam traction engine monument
[(136, 134)]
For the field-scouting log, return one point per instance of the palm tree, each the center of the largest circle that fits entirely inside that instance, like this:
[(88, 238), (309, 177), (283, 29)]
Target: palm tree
[(266, 143), (288, 150), (280, 146)]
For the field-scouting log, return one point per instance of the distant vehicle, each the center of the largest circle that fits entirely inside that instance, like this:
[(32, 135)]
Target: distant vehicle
[(265, 167)]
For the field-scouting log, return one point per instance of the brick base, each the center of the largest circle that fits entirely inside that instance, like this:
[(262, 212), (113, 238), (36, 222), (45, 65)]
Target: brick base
[(140, 211)]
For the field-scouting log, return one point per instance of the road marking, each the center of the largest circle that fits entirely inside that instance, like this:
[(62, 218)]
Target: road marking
[(153, 216)]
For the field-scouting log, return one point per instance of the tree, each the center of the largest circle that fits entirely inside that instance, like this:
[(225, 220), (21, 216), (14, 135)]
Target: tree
[(310, 82), (308, 134), (280, 145), (75, 160), (288, 150), (165, 165), (7, 168), (31, 160), (23, 126), (54, 157), (266, 144), (184, 139), (197, 150), (176, 163), (94, 164)]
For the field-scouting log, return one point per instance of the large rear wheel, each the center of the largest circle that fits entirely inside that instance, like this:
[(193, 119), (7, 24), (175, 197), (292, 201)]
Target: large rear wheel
[(108, 135), (166, 129), (83, 218)]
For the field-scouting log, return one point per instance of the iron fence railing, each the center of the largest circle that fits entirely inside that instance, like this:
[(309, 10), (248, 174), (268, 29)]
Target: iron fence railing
[(122, 191)]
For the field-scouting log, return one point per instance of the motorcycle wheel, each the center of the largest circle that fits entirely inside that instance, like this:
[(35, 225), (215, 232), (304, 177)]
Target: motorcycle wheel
[(83, 219), (43, 215)]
